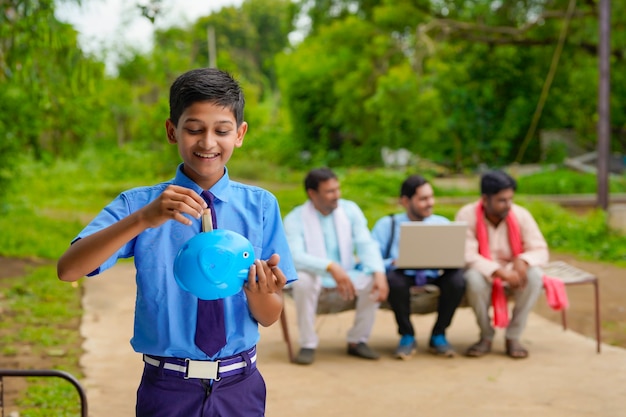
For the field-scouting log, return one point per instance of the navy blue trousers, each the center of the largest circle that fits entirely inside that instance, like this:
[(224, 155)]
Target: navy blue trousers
[(164, 393)]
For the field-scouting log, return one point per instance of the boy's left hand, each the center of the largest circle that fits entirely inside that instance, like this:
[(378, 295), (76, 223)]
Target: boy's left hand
[(265, 277)]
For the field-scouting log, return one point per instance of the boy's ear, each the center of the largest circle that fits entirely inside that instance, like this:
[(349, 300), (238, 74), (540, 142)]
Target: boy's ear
[(241, 132), (170, 130)]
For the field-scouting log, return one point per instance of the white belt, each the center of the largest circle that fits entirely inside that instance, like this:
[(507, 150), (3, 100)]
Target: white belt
[(203, 369)]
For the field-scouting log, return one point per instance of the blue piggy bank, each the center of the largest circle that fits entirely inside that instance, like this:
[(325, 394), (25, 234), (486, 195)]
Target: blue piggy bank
[(214, 264)]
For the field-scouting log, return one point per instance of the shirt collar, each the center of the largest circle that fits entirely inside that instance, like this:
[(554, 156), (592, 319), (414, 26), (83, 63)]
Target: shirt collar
[(220, 190)]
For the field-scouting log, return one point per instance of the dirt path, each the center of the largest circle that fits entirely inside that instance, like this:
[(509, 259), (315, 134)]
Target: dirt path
[(563, 377)]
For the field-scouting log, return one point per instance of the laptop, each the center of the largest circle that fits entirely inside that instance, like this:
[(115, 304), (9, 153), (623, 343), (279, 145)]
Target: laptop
[(431, 246)]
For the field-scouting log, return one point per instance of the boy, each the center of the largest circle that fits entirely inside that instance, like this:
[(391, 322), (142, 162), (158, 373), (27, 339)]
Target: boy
[(152, 223)]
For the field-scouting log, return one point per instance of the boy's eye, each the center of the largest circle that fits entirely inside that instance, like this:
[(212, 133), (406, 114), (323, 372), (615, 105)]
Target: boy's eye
[(194, 131), (222, 132)]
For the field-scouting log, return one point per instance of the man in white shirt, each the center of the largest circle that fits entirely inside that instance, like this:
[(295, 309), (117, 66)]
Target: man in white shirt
[(332, 247)]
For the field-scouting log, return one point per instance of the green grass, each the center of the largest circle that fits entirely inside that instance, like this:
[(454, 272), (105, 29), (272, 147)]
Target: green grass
[(40, 316), (587, 236), (563, 181), (50, 396)]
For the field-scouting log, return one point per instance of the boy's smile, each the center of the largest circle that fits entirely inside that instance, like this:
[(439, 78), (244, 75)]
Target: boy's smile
[(207, 155), (206, 135)]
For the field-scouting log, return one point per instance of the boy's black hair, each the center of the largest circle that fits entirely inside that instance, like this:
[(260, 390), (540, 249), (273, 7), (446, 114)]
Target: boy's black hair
[(316, 176), (206, 85), (411, 184), (492, 182)]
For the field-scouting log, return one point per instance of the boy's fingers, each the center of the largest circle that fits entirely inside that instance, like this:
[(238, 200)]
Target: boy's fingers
[(182, 219), (186, 196), (281, 279), (172, 205), (268, 272), (273, 260), (252, 283)]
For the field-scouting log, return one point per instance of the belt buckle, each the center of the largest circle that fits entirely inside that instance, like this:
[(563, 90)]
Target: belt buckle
[(202, 369)]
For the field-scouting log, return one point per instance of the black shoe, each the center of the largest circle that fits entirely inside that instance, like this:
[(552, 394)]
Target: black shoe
[(305, 356), (361, 350)]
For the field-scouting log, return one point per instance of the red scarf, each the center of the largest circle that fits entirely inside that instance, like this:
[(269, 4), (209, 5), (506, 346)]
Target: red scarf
[(554, 287)]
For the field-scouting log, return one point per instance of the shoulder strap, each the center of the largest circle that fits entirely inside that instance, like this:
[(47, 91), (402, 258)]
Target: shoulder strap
[(393, 232)]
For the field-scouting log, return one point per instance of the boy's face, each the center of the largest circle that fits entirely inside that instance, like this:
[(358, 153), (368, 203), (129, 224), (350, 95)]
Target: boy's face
[(206, 136)]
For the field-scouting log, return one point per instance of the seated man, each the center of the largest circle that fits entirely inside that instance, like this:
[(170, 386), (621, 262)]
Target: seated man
[(417, 198), (504, 244), (324, 234)]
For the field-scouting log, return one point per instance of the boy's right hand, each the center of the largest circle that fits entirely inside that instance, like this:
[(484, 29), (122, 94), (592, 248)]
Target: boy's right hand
[(173, 202)]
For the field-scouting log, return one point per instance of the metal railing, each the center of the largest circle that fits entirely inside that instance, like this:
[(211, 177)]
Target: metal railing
[(42, 373)]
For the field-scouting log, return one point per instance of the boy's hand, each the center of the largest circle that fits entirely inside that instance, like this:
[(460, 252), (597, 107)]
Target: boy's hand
[(264, 290), (173, 202), (265, 277)]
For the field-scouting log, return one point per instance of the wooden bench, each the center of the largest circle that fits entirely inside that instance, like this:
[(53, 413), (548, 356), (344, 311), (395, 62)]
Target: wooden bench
[(424, 300)]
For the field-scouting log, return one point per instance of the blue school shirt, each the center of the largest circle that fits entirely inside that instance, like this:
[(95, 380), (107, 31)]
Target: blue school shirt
[(165, 314), (382, 233)]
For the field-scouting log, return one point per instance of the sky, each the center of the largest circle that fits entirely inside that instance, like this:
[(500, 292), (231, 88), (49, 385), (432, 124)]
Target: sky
[(109, 25)]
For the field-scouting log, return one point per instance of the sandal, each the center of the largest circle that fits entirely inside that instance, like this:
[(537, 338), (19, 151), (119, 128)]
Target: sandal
[(479, 348), (515, 350)]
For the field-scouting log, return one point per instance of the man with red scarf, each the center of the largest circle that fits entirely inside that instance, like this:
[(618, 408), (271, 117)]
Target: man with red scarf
[(504, 249)]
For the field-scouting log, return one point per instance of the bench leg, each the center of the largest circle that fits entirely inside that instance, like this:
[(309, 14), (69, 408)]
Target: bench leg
[(597, 314), (285, 327), (596, 299)]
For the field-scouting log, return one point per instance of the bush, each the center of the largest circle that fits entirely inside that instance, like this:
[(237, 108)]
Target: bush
[(563, 181), (588, 236), (49, 204)]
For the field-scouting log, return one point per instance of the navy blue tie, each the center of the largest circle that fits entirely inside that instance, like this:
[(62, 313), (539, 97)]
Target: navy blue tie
[(210, 328)]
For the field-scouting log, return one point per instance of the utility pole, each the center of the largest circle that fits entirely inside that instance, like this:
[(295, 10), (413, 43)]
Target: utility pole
[(211, 46), (604, 110)]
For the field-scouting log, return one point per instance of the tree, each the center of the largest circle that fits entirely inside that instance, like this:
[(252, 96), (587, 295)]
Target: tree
[(479, 69), (47, 86)]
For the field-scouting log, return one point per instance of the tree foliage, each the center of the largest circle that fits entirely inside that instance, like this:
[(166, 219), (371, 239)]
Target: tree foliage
[(246, 41), (48, 87), (455, 81)]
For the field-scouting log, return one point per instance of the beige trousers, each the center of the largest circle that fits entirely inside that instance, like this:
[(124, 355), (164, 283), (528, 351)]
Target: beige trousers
[(478, 292), (306, 292)]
